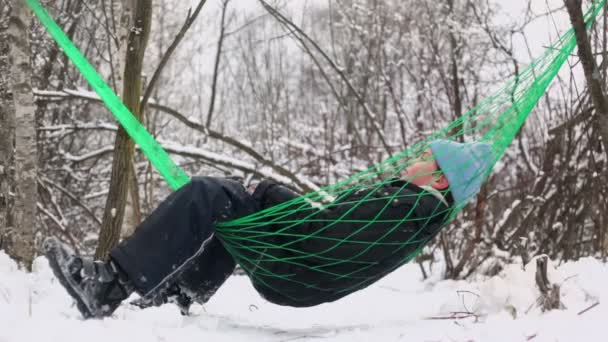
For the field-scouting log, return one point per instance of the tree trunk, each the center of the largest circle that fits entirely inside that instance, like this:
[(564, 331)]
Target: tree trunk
[(124, 12), (455, 79), (7, 130), (592, 73), (21, 242), (123, 147), (550, 298)]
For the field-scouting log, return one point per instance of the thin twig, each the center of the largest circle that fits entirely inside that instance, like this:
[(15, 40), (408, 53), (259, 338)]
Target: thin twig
[(71, 196), (454, 315), (60, 227), (216, 66), (190, 18), (531, 337), (464, 305), (371, 116), (589, 308), (303, 183)]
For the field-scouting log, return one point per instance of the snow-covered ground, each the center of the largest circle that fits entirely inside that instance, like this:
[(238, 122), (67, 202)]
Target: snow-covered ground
[(401, 307)]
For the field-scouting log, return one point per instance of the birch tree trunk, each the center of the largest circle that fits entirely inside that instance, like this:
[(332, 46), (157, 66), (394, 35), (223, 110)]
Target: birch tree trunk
[(21, 242), (7, 130), (124, 147)]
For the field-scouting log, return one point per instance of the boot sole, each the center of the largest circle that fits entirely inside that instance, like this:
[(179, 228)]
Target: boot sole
[(57, 256)]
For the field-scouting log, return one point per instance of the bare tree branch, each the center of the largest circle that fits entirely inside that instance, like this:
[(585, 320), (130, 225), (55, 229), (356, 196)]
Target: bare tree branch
[(71, 196), (371, 116), (216, 65), (592, 74), (60, 227), (301, 182), (190, 18)]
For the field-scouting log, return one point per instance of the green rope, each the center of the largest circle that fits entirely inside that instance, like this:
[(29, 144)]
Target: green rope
[(172, 173)]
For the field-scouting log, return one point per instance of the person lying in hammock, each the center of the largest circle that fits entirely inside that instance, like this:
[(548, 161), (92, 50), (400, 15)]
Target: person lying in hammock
[(175, 254)]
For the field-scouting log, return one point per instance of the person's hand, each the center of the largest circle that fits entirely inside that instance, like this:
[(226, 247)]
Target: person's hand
[(251, 188)]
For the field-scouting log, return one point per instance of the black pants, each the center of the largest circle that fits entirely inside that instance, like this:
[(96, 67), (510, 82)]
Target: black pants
[(176, 244)]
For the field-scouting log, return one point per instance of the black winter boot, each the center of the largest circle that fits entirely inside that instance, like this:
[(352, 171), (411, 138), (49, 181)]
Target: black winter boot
[(98, 287)]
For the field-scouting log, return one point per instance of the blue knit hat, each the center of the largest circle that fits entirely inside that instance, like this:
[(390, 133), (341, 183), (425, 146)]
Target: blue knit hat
[(465, 165)]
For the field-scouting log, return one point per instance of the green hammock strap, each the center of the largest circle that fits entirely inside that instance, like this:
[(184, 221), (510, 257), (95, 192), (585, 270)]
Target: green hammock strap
[(172, 173)]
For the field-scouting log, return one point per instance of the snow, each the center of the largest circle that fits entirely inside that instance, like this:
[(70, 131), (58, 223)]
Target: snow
[(401, 307), (265, 172)]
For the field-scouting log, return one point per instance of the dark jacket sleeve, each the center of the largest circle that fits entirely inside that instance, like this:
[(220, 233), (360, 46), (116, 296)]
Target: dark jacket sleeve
[(361, 226), (269, 193), (364, 228)]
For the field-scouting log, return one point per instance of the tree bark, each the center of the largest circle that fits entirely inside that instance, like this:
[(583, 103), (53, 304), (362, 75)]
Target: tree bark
[(218, 56), (592, 73), (124, 16), (124, 147), (550, 298), (7, 130), (123, 10), (455, 78), (21, 242)]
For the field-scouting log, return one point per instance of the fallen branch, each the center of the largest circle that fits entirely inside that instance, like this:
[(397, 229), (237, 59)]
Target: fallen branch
[(531, 337), (455, 315), (589, 308)]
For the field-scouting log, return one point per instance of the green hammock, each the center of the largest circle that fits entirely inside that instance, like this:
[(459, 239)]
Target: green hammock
[(494, 122)]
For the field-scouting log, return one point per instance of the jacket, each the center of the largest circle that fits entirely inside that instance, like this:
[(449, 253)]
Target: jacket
[(344, 247)]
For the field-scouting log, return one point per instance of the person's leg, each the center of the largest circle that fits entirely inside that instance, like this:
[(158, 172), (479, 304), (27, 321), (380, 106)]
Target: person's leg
[(177, 237), (196, 281), (201, 278), (97, 287), (179, 229)]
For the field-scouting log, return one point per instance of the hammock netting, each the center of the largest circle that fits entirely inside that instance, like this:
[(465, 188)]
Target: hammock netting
[(495, 121)]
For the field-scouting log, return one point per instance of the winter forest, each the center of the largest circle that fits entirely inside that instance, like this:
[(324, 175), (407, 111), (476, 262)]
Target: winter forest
[(307, 93)]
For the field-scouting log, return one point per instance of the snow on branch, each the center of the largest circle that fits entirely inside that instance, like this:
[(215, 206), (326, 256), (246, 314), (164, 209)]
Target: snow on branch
[(299, 181), (80, 125), (216, 158), (93, 154)]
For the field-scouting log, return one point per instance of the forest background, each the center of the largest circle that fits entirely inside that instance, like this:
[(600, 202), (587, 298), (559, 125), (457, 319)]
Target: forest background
[(284, 90)]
